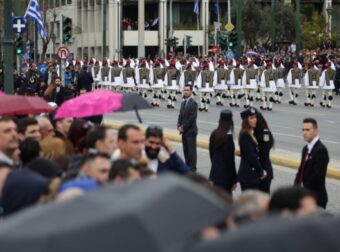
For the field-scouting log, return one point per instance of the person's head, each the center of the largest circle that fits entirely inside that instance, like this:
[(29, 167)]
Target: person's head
[(63, 125), (101, 139), (29, 150), (53, 147), (97, 166), (251, 205), (8, 135), (249, 119), (46, 127), (130, 142), (124, 170), (45, 167), (77, 133), (225, 125), (153, 141), (22, 189), (29, 127), (5, 169), (57, 81), (309, 129), (293, 200), (187, 90)]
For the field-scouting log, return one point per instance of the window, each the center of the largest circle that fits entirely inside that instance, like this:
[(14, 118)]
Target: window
[(57, 3), (51, 4), (63, 2), (69, 1)]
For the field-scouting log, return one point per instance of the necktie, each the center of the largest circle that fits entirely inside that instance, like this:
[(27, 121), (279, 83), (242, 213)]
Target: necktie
[(302, 167)]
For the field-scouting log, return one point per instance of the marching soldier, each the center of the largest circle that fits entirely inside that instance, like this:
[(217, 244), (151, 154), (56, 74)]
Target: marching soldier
[(236, 85), (96, 73), (280, 81), (294, 80), (189, 75), (116, 75), (172, 84), (268, 87), (158, 83), (311, 80), (262, 67), (327, 85), (206, 87), (129, 77), (105, 74), (221, 77), (144, 79), (250, 83)]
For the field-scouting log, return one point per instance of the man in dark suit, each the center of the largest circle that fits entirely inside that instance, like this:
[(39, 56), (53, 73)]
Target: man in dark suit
[(84, 80), (187, 126), (59, 92), (158, 162), (313, 166)]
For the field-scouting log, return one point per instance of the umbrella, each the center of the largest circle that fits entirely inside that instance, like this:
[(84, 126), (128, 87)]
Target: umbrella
[(22, 105), (252, 53), (93, 103), (2, 93), (277, 234), (134, 102), (151, 215)]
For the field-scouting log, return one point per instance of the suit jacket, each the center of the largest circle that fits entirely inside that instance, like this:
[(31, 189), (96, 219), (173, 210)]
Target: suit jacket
[(188, 116), (59, 97), (85, 81), (223, 170), (174, 164), (250, 169), (315, 169)]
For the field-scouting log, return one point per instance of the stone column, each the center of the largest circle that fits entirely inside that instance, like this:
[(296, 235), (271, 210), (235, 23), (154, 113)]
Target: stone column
[(162, 30), (205, 25), (141, 28), (114, 28)]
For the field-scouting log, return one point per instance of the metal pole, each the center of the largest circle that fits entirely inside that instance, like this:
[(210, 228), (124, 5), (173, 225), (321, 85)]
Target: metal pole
[(171, 26), (141, 29), (104, 28), (273, 27), (8, 45), (35, 43), (19, 13), (239, 28), (185, 46), (298, 28), (229, 11), (198, 27)]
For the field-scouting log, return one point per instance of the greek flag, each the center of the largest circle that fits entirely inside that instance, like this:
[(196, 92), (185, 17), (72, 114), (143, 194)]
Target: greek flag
[(196, 7), (33, 12)]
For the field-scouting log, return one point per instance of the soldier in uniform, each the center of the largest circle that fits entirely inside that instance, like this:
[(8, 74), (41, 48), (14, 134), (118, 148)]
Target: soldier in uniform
[(144, 79), (250, 83), (294, 80), (311, 81), (189, 75), (158, 83), (129, 77), (206, 87), (262, 67), (220, 81), (327, 85), (116, 75), (280, 81), (96, 73), (268, 87), (105, 74), (32, 77), (236, 85), (172, 84)]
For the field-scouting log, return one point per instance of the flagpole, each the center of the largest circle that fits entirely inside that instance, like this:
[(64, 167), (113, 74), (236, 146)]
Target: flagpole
[(35, 43), (198, 28)]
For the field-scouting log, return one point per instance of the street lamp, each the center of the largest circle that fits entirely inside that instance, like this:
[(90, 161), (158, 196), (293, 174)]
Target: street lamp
[(329, 14), (54, 38)]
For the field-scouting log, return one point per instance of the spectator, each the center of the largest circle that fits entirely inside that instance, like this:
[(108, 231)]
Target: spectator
[(62, 128), (9, 142), (29, 150), (131, 142), (96, 166), (46, 168), (59, 92), (22, 189), (101, 139), (46, 127), (29, 127), (293, 200), (154, 140), (53, 147), (124, 170), (77, 133), (85, 80), (5, 169)]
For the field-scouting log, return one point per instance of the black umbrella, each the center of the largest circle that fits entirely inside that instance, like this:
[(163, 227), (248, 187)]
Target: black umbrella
[(134, 102), (151, 215), (274, 234)]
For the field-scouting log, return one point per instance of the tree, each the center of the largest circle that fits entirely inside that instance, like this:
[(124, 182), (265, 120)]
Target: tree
[(314, 32), (285, 23), (49, 29)]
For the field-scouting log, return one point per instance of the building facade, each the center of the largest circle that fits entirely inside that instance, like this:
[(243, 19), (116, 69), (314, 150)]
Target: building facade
[(116, 22)]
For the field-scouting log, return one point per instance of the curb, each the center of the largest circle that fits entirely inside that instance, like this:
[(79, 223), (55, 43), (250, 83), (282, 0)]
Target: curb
[(204, 144)]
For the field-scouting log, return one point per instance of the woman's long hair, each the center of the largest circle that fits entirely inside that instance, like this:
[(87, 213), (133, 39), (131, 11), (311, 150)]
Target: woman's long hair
[(260, 127), (246, 127), (217, 136)]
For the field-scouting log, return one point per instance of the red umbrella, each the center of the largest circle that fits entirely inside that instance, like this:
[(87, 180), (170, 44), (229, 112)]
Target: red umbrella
[(22, 105)]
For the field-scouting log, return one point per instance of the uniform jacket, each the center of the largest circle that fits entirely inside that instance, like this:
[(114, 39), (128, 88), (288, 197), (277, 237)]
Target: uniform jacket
[(265, 141), (315, 172)]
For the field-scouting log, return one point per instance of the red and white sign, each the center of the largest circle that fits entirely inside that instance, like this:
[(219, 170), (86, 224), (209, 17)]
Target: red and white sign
[(63, 52)]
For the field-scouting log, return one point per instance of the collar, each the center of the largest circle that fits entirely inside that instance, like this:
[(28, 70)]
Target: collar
[(310, 145), (5, 158)]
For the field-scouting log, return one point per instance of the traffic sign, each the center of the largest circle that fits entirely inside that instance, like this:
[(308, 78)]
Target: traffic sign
[(230, 54), (19, 24), (63, 52), (229, 27)]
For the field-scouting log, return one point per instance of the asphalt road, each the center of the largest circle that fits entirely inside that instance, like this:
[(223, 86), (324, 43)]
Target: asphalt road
[(285, 122)]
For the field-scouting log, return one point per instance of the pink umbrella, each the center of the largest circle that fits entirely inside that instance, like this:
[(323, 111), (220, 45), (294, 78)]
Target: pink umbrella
[(2, 93), (93, 103)]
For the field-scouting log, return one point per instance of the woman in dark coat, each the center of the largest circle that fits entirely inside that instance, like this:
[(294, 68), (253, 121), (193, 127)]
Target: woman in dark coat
[(265, 140), (251, 171), (222, 153)]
